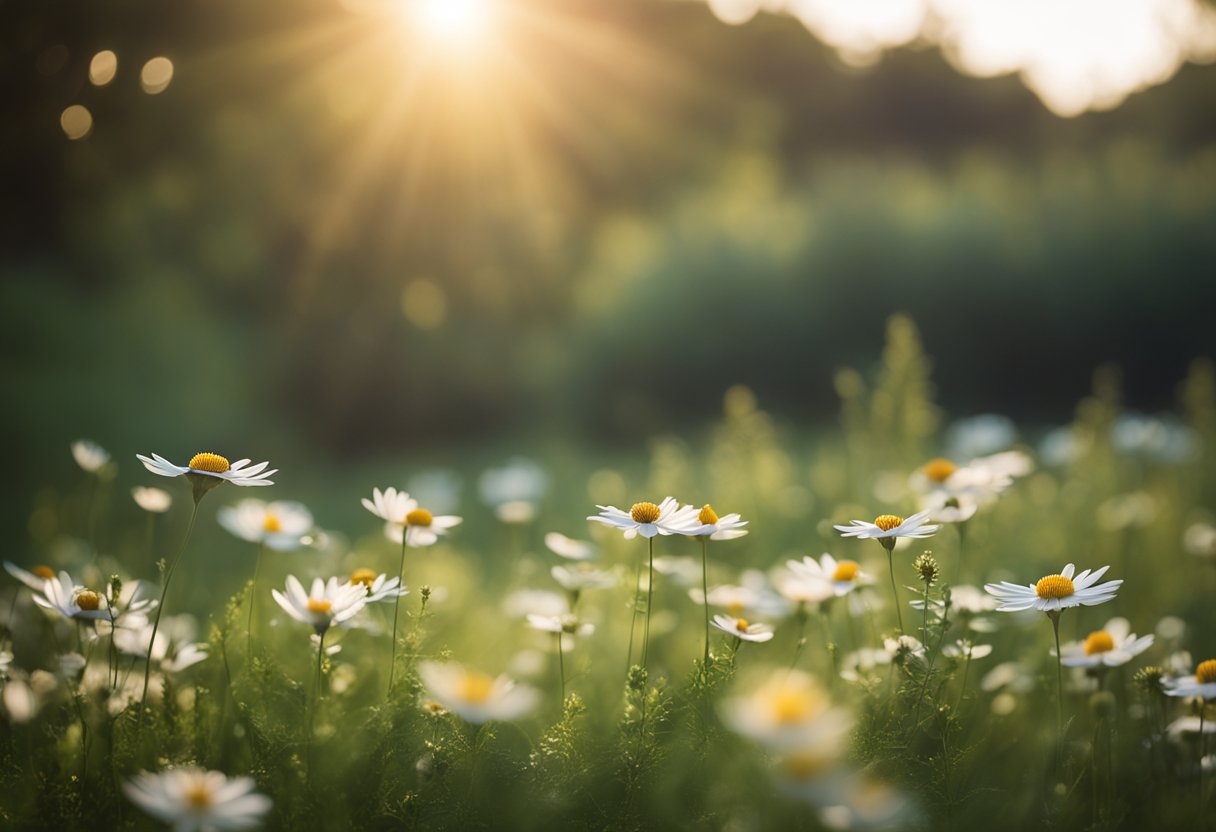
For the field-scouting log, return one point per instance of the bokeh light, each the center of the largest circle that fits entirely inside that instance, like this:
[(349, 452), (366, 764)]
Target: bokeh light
[(156, 75), (103, 68), (76, 121)]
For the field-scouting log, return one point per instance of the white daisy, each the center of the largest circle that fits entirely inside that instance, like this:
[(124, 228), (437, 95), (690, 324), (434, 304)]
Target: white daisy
[(35, 580), (474, 696), (843, 576), (207, 470), (727, 527), (280, 525), (1202, 684), (743, 629), (1111, 646), (90, 456), (752, 595), (567, 547), (64, 596), (566, 624), (155, 500), (1055, 592), (947, 508), (578, 577), (379, 587), (648, 519), (887, 527), (191, 799), (326, 604), (799, 588), (405, 519), (788, 710)]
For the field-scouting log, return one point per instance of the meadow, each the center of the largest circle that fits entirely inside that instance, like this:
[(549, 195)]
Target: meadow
[(806, 637)]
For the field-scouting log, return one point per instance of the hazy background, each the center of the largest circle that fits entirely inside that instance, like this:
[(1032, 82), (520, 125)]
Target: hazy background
[(336, 234)]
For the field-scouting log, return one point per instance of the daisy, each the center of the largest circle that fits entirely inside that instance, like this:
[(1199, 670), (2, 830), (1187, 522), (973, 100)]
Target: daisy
[(843, 576), (63, 596), (752, 595), (207, 470), (90, 456), (801, 589), (280, 525), (154, 500), (648, 519), (727, 527), (474, 696), (567, 624), (1202, 684), (576, 578), (378, 587), (887, 527), (421, 528), (326, 604), (1111, 646), (788, 710), (1054, 593), (743, 630), (191, 799), (567, 547), (35, 580)]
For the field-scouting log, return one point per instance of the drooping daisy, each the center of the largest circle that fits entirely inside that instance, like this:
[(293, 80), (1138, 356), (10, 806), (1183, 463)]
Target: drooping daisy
[(843, 576), (63, 596), (327, 603), (1055, 592), (280, 525), (191, 799), (90, 456), (207, 470), (787, 710), (379, 587), (886, 528), (1111, 646), (474, 696), (649, 520), (726, 527), (567, 547), (155, 500), (743, 629), (1202, 684)]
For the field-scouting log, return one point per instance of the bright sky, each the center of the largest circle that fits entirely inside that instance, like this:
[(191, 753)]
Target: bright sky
[(1076, 55)]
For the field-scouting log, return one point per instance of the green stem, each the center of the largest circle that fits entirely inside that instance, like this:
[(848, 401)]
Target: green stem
[(705, 600), (253, 594), (899, 616), (1055, 625), (649, 599), (160, 608), (397, 612), (633, 622)]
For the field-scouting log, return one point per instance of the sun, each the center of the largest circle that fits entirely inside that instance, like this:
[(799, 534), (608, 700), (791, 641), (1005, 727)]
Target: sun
[(451, 21)]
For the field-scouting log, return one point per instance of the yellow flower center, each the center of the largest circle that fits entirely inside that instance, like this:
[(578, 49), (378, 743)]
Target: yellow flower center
[(320, 606), (741, 625), (940, 469), (1054, 586), (1205, 673), (44, 572), (271, 524), (644, 512), (198, 796), (1099, 641), (87, 599), (363, 576), (476, 688), (846, 570), (734, 608), (211, 463), (706, 517), (419, 517), (790, 707), (886, 522)]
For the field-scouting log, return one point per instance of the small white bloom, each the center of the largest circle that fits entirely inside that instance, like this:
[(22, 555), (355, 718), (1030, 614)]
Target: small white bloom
[(516, 512), (540, 601), (64, 596), (579, 577), (1055, 592), (887, 527), (155, 500), (753, 596), (1202, 684), (204, 466), (280, 525), (90, 456), (327, 603), (404, 518), (1200, 540), (648, 519), (474, 696), (966, 650), (843, 576), (567, 623), (743, 629), (378, 587), (788, 710), (1111, 646), (35, 580), (567, 547), (726, 527), (191, 799)]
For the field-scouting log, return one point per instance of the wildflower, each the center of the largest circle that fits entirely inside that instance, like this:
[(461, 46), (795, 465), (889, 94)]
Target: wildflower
[(280, 525), (90, 456), (1054, 593), (743, 629), (727, 527), (1111, 646), (63, 596), (567, 547), (945, 508), (583, 576), (926, 567), (191, 799), (207, 470), (888, 527), (567, 624), (378, 587), (841, 576), (1150, 679), (474, 696), (35, 580), (787, 711), (326, 604), (752, 595), (405, 521), (155, 500), (1202, 684), (962, 648), (801, 589), (648, 519)]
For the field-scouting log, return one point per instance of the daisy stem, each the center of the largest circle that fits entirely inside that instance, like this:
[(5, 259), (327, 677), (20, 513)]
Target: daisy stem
[(633, 622), (962, 691), (962, 546), (649, 597), (253, 594), (1203, 752), (899, 616), (160, 608), (316, 701), (1054, 615), (396, 613), (705, 600), (801, 642)]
